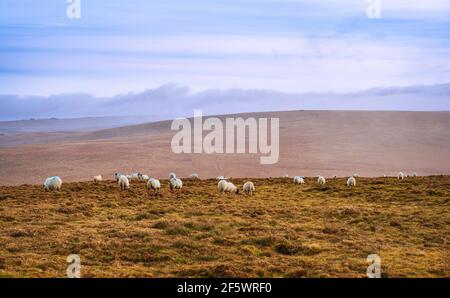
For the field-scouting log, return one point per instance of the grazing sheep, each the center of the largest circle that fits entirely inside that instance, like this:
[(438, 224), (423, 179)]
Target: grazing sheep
[(414, 175), (124, 183), (52, 183), (117, 176), (335, 177), (134, 176), (299, 180), (175, 183), (224, 186), (98, 178), (154, 184), (231, 188), (193, 176), (172, 175), (143, 177), (321, 180), (401, 176), (249, 187), (351, 181)]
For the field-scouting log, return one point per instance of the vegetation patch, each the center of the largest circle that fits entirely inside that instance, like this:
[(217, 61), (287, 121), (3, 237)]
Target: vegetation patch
[(283, 230)]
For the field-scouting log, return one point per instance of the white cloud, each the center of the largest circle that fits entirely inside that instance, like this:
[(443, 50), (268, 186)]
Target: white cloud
[(171, 101)]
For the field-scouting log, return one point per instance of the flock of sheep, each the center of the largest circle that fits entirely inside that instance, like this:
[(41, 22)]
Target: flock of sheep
[(223, 186)]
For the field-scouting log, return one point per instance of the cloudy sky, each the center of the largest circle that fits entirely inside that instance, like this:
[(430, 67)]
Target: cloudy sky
[(289, 46)]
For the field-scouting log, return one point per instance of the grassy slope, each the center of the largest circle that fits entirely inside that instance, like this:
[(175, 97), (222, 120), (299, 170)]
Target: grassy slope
[(282, 231)]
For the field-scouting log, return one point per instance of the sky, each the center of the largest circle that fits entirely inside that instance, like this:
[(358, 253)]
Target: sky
[(287, 46)]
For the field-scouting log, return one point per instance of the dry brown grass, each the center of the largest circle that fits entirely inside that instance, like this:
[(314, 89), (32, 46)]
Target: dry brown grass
[(283, 230)]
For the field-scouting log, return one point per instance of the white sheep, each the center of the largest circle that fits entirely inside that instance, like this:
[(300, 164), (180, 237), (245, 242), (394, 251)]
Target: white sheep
[(222, 185), (117, 176), (98, 178), (355, 175), (414, 175), (175, 183), (299, 180), (124, 183), (134, 176), (220, 178), (193, 176), (401, 176), (351, 181), (172, 175), (321, 180), (231, 188), (52, 183), (143, 177), (248, 187), (225, 186), (153, 184)]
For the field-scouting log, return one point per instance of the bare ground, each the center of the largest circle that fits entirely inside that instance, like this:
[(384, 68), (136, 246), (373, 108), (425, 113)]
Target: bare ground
[(311, 143)]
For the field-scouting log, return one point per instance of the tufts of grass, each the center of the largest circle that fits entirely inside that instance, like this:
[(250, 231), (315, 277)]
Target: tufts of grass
[(283, 230)]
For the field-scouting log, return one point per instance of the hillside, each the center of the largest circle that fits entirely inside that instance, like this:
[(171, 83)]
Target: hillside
[(311, 143)]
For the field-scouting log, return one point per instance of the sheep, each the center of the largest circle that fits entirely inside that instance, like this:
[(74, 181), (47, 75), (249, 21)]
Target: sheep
[(193, 176), (335, 177), (117, 176), (220, 178), (248, 187), (154, 184), (143, 177), (401, 176), (124, 183), (231, 188), (134, 176), (224, 186), (299, 180), (321, 180), (355, 175), (175, 183), (285, 176), (52, 183), (172, 175), (351, 181), (98, 178), (414, 175)]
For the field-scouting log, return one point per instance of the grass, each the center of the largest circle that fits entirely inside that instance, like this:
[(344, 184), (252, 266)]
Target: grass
[(283, 230)]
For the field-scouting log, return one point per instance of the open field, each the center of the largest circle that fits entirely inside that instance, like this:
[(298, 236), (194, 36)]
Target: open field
[(282, 231)]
